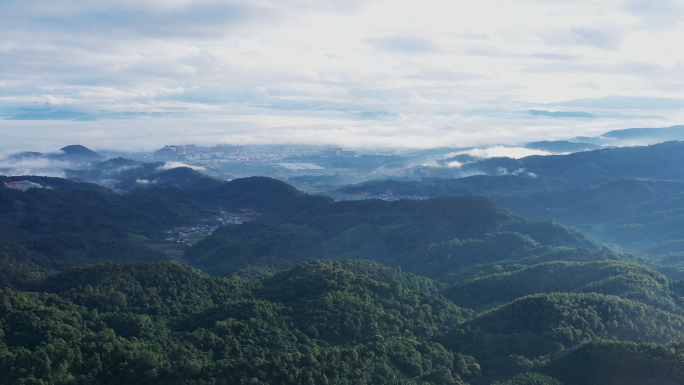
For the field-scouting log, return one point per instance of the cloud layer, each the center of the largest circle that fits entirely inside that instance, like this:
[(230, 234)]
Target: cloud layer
[(140, 74)]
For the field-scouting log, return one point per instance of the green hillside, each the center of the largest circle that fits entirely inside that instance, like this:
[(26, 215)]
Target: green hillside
[(167, 324), (78, 223), (525, 333), (609, 362), (265, 195), (455, 290), (626, 280), (391, 233), (175, 178), (324, 321)]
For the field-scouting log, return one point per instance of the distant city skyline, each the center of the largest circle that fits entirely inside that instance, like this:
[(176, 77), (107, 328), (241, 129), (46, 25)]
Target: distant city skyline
[(122, 74)]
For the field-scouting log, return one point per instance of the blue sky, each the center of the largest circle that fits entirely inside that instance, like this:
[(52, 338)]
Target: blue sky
[(141, 74)]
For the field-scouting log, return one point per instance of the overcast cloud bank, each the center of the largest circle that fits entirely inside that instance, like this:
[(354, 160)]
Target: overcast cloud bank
[(137, 75)]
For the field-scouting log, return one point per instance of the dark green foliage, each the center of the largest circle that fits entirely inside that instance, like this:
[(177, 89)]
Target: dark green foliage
[(265, 195), (392, 233), (532, 378), (167, 289), (333, 321), (257, 243), (249, 273), (77, 223), (620, 363), (170, 324), (607, 277), (371, 269), (499, 252), (278, 320), (74, 249), (544, 324), (388, 275), (42, 211), (20, 267), (532, 256), (438, 260), (355, 308)]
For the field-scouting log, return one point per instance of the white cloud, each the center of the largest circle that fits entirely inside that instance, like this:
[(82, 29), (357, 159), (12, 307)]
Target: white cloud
[(266, 71), (32, 166), (38, 99), (170, 165), (501, 151)]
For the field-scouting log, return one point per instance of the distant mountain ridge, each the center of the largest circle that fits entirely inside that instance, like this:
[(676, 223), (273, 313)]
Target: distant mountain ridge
[(178, 178), (71, 153), (560, 146), (637, 136), (630, 196)]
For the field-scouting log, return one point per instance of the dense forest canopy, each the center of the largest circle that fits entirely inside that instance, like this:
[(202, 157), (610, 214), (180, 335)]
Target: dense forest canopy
[(456, 290)]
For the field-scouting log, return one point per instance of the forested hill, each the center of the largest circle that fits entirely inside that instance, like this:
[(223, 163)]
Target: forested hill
[(265, 195), (169, 324), (636, 214), (664, 161), (53, 182), (175, 178), (631, 196), (74, 223), (454, 290), (331, 321), (71, 223), (508, 176), (389, 232)]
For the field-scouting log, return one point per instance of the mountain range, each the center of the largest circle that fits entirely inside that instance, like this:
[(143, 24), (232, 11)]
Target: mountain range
[(546, 270)]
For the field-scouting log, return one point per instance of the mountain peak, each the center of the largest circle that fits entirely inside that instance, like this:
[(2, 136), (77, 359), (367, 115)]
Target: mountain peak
[(79, 153), (77, 149)]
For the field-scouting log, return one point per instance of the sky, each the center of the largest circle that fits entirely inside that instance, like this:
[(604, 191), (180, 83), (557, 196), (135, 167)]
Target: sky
[(139, 74)]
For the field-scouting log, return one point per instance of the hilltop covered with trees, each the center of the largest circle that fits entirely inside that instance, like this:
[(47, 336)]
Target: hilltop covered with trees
[(455, 290)]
